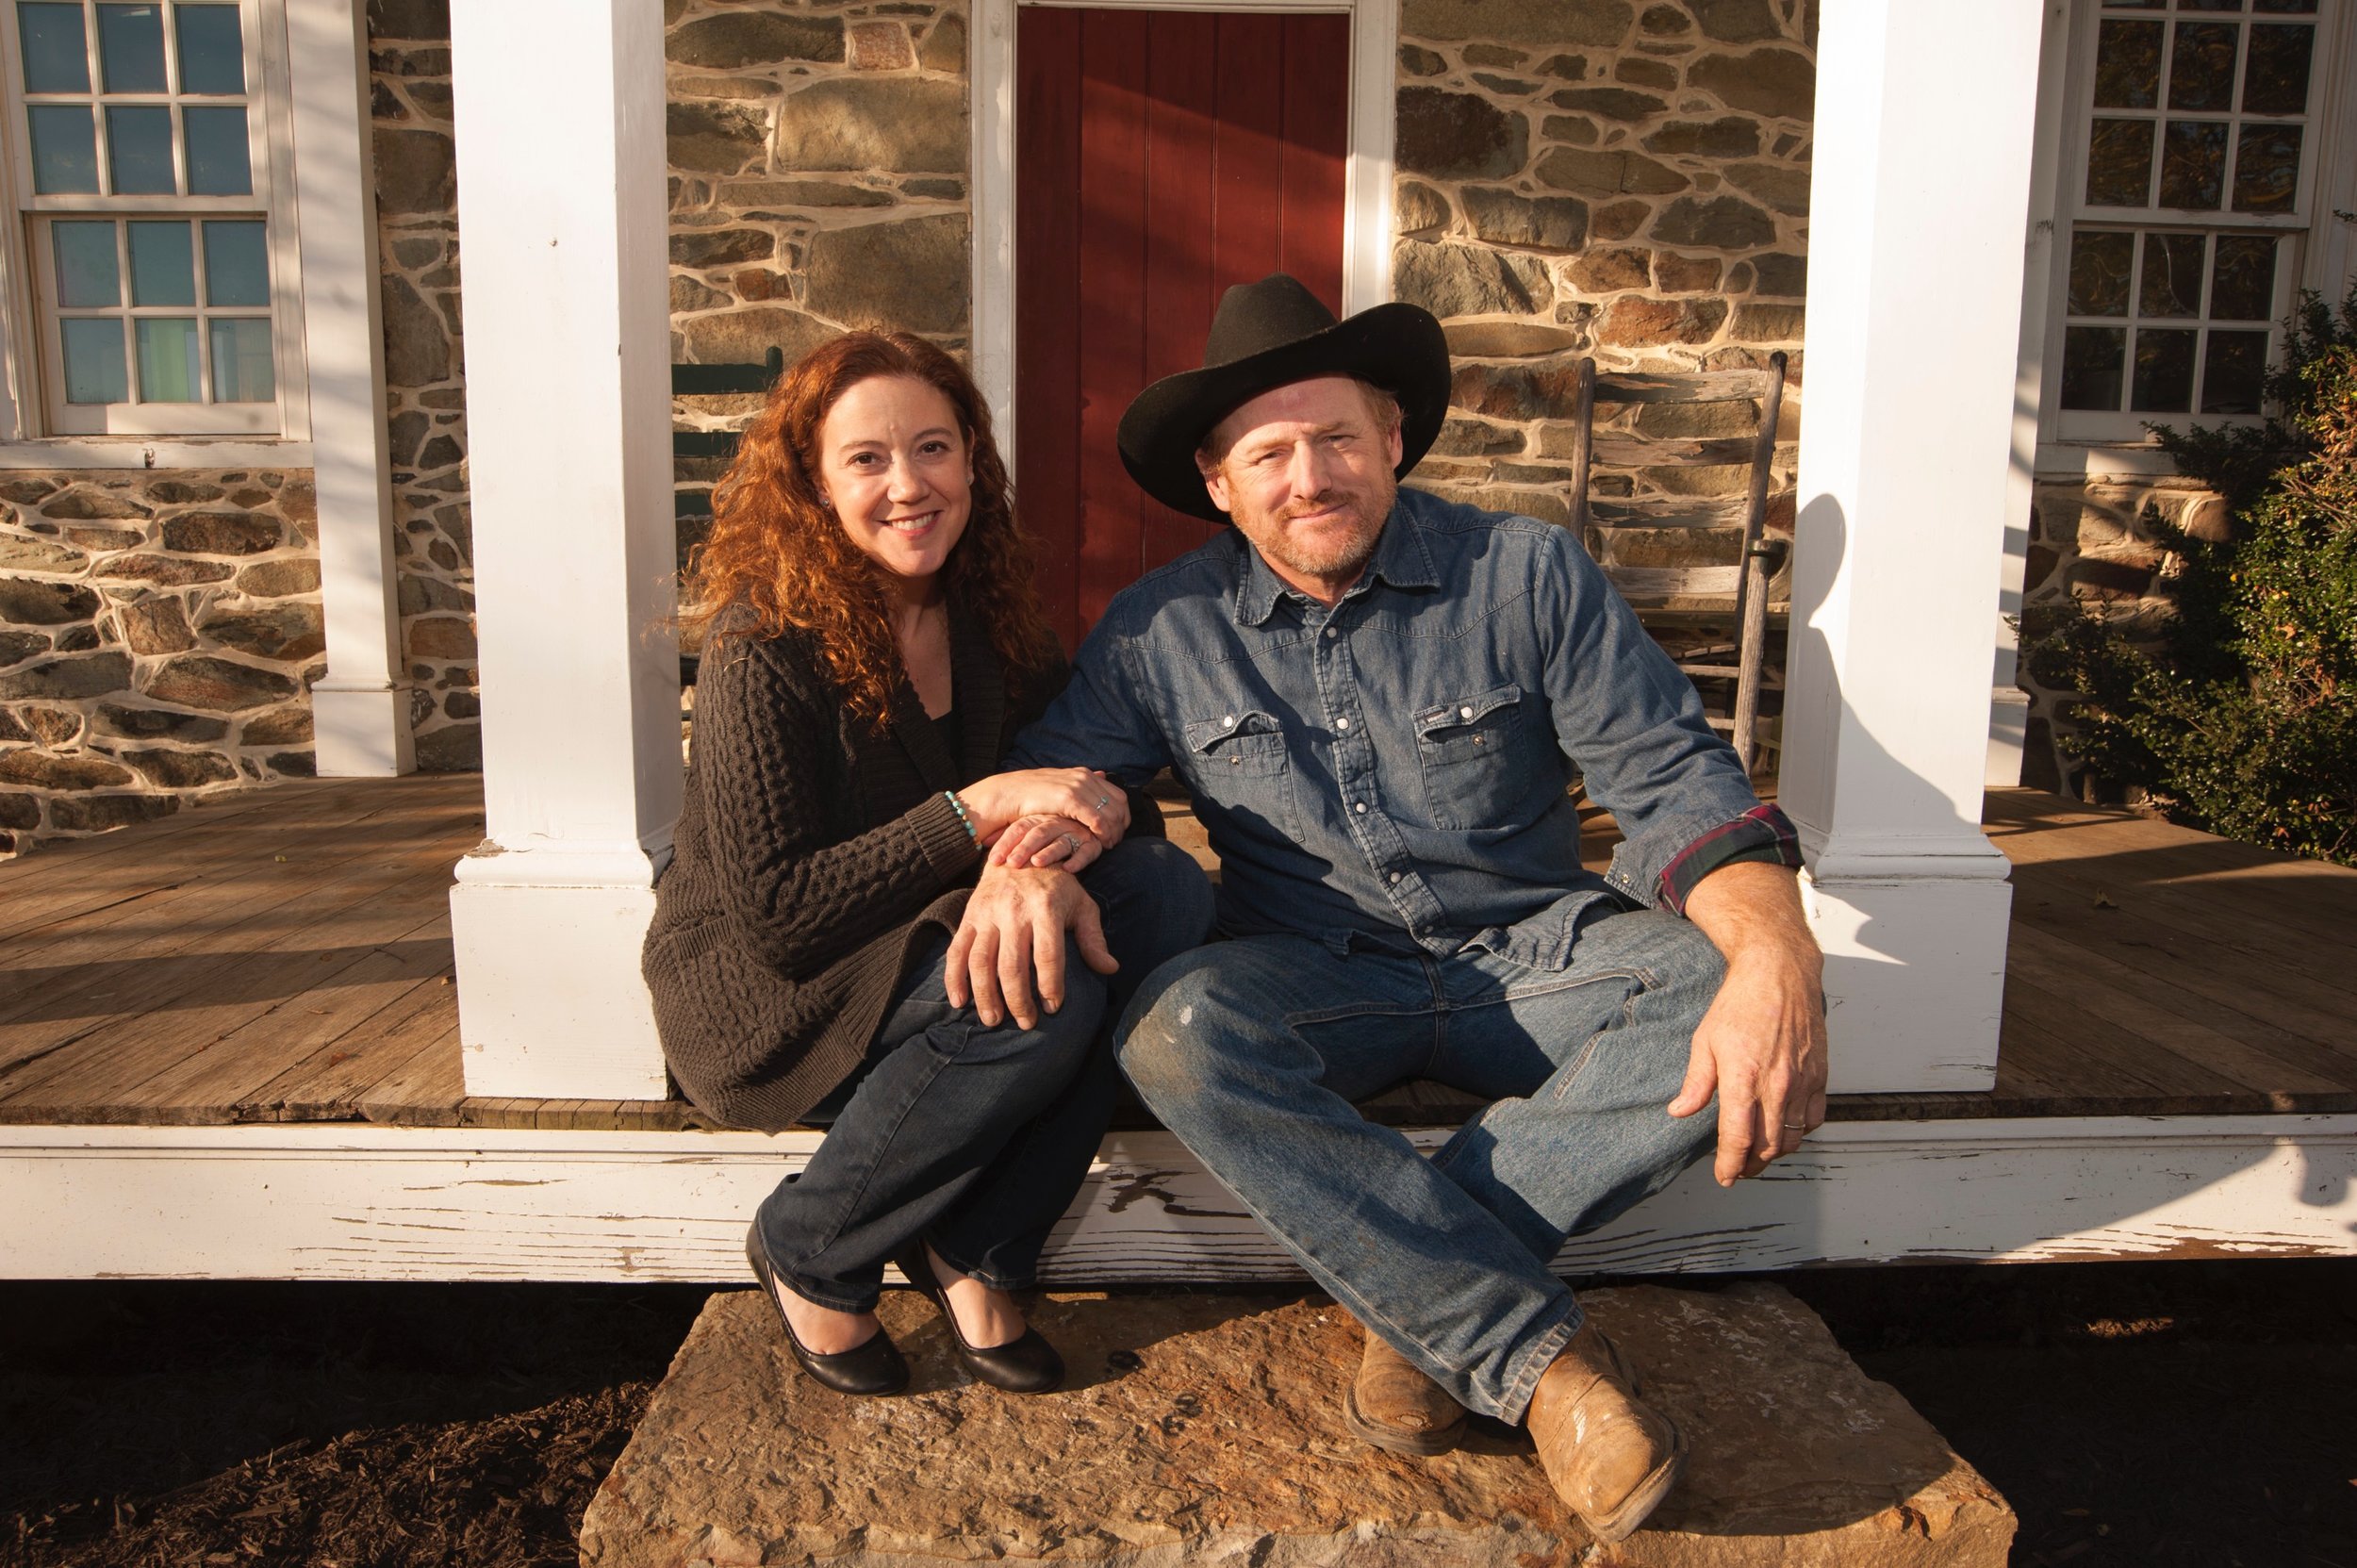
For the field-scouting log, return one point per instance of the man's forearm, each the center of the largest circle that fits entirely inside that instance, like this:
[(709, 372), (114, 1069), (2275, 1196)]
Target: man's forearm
[(1751, 912)]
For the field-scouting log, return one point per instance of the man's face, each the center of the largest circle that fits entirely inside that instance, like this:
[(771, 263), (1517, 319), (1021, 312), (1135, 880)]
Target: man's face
[(1306, 473)]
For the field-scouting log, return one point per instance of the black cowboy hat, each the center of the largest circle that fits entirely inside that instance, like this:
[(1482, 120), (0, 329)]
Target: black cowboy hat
[(1268, 334)]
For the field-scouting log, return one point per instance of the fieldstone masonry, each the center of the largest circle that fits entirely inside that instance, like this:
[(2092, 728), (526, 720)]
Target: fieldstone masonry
[(2092, 547), (818, 183), (158, 636), (1605, 178), (425, 393)]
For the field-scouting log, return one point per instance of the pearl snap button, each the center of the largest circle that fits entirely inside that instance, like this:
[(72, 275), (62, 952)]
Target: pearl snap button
[(1395, 876), (1464, 713), (1331, 633), (1341, 723), (1229, 720), (1358, 806)]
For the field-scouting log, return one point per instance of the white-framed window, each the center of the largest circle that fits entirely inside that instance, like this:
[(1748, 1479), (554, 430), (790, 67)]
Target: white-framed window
[(152, 256), (2193, 166)]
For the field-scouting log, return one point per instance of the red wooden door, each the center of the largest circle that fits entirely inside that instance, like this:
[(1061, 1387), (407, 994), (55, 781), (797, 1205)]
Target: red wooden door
[(1160, 156)]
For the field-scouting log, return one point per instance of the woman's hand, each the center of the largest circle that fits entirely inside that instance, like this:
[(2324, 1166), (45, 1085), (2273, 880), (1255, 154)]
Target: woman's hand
[(1086, 797), (1042, 840)]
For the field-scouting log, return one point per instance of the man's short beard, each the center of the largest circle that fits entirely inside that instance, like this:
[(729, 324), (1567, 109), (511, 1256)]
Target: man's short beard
[(1345, 557)]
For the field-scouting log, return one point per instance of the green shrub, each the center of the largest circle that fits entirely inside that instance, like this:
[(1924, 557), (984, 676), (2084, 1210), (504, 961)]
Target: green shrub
[(2240, 716)]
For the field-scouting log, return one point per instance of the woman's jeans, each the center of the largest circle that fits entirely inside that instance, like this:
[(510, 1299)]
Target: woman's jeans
[(1253, 1052), (972, 1137)]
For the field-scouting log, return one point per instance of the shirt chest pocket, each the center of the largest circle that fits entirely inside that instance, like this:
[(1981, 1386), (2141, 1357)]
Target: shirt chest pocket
[(1466, 750), (1239, 760)]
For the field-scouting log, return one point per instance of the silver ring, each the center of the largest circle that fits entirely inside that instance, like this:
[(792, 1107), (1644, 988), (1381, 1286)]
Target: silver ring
[(1071, 844), (1104, 801), (1796, 1127)]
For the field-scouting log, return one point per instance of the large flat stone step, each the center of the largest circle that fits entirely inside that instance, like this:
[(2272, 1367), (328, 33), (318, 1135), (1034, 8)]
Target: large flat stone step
[(1205, 1429)]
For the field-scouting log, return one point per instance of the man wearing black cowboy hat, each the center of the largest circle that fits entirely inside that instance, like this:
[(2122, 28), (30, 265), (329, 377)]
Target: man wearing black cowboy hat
[(1377, 701)]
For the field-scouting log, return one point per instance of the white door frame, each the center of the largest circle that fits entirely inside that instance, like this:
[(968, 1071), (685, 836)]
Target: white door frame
[(1366, 176)]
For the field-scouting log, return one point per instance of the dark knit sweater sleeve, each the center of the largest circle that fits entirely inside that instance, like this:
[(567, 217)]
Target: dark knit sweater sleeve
[(767, 757)]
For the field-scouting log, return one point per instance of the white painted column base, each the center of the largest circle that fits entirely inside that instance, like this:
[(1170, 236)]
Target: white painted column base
[(2008, 736), (361, 731), (1915, 977), (553, 1007)]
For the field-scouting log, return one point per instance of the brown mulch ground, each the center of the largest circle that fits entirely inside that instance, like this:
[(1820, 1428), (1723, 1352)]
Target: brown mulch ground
[(2144, 1416)]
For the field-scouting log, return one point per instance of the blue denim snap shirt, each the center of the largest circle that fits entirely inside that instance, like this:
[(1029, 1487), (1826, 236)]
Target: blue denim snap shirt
[(1397, 767)]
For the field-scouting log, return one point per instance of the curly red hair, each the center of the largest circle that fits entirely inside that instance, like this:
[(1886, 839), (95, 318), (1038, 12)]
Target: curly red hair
[(776, 550)]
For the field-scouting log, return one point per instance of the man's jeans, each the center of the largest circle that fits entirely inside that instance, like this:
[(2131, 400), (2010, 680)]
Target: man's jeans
[(1252, 1051), (977, 1138)]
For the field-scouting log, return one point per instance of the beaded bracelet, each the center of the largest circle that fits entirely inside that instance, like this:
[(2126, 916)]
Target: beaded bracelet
[(958, 806)]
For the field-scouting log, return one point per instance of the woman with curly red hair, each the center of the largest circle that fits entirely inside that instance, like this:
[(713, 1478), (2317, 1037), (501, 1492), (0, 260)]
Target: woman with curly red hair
[(872, 644)]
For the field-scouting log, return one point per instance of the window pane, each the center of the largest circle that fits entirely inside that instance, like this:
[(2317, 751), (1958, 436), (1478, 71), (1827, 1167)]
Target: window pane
[(88, 275), (2202, 67), (218, 163), (237, 263), (168, 364), (2243, 286), (57, 55), (2091, 359), (131, 47), (94, 359), (242, 371), (2099, 272), (2193, 164), (2233, 373), (2305, 7), (2164, 383), (139, 145), (2211, 5), (2267, 170), (2275, 79), (2128, 65), (2172, 285), (212, 50), (2119, 162), (163, 265), (65, 149)]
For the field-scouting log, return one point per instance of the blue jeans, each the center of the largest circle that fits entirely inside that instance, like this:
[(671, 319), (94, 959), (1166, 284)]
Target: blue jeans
[(1253, 1050), (973, 1137)]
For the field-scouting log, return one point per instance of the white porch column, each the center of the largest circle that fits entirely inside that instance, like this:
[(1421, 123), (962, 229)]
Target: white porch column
[(360, 708), (562, 220), (1917, 223)]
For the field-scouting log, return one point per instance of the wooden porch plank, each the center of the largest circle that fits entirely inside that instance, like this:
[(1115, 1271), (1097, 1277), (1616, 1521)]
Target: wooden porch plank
[(425, 1091), (327, 1085), (2283, 1061), (166, 1011), (2233, 920), (203, 903), (2044, 828), (58, 883), (2107, 1061), (145, 970), (2261, 986)]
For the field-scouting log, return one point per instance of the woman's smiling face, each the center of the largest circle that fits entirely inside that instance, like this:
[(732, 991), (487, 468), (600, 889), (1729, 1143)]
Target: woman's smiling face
[(897, 473)]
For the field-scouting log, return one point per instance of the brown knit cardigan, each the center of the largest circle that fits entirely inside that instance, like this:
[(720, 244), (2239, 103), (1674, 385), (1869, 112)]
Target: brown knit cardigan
[(811, 852)]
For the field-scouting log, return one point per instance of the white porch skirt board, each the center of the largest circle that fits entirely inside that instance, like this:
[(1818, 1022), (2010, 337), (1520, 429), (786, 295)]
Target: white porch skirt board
[(335, 1201)]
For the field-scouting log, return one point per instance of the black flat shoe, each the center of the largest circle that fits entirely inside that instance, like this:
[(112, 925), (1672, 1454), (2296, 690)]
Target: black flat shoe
[(873, 1368), (1026, 1365)]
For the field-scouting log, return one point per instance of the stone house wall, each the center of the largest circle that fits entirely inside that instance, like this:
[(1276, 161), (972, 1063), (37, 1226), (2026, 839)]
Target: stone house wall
[(1613, 179), (2092, 546), (158, 636), (425, 393)]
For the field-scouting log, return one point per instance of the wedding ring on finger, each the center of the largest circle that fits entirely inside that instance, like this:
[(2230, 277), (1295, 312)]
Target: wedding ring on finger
[(1071, 844)]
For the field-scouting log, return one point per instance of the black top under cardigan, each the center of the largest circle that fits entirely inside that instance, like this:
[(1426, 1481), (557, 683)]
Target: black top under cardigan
[(811, 852)]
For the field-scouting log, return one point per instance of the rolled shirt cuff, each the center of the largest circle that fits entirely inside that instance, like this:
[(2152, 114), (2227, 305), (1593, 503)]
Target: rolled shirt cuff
[(1763, 834)]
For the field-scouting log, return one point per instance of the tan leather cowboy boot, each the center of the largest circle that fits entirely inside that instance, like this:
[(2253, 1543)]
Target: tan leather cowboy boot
[(1612, 1459), (1396, 1407)]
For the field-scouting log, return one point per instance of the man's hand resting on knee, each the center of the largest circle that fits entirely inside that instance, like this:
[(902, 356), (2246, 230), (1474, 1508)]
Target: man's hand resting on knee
[(1012, 934), (1761, 1047)]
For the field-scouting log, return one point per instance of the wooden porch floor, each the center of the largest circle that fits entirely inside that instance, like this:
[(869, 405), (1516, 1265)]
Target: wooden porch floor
[(285, 957)]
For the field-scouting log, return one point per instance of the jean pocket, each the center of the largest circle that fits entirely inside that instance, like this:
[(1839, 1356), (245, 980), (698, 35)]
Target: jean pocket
[(1240, 763), (1464, 748)]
